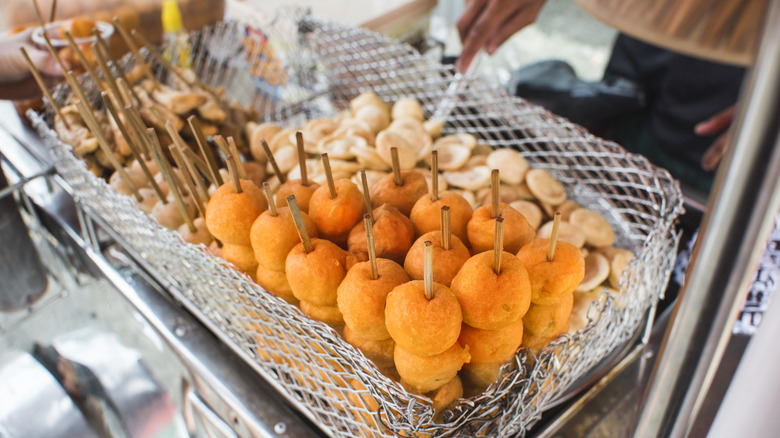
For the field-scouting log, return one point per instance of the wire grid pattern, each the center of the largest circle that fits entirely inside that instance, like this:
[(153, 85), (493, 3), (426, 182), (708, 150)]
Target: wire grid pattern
[(331, 382)]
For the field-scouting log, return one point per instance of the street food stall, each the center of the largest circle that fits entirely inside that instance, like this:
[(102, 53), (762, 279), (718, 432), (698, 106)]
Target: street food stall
[(285, 225)]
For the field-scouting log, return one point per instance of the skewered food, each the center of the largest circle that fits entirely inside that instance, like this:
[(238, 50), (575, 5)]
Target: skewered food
[(552, 281), (393, 234), (427, 373), (230, 214)]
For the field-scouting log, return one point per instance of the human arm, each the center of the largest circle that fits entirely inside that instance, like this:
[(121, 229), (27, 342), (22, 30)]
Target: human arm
[(715, 124), (16, 81), (489, 23)]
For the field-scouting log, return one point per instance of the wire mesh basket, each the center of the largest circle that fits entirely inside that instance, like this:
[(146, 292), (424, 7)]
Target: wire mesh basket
[(328, 380)]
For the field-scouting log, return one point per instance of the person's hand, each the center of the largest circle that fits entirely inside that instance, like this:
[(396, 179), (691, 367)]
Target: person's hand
[(489, 23), (16, 81), (715, 124)]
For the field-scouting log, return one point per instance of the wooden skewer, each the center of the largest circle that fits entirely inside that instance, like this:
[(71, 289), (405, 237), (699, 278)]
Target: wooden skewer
[(295, 212), (44, 89), (366, 195), (40, 15), (498, 245), (138, 128), (446, 228), (170, 177), (302, 159), (53, 11), (272, 160), (107, 54), (495, 193), (89, 119), (221, 144), (234, 150), (131, 143), (397, 178), (270, 197), (103, 64), (554, 235), (428, 269), (201, 166), (178, 157), (74, 84), (82, 59), (134, 49), (234, 173), (200, 138), (435, 175), (329, 176), (368, 222)]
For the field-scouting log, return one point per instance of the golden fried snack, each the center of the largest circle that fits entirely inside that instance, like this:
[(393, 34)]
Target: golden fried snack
[(169, 215), (427, 373), (446, 262), (404, 196), (276, 283), (598, 232), (295, 187), (362, 299), (552, 281), (201, 236), (393, 234), (336, 217), (492, 301), (618, 261), (330, 315), (481, 229), (446, 395), (242, 256), (380, 352), (315, 276), (230, 215), (272, 237), (596, 272), (423, 326), (150, 199), (477, 376), (425, 214), (548, 321), (492, 345), (255, 172)]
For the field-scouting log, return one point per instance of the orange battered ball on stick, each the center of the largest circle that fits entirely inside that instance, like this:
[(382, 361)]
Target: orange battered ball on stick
[(232, 210), (274, 234), (555, 268), (393, 234), (401, 189), (488, 346), (448, 251), (424, 212), (276, 283), (427, 373), (493, 287), (423, 317), (315, 267), (301, 188), (517, 230), (363, 292), (336, 207)]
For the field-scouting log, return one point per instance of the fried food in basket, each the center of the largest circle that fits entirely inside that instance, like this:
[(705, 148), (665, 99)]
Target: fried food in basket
[(492, 345), (315, 276), (401, 196), (273, 236), (276, 283), (552, 281), (361, 299), (335, 217), (201, 236), (242, 256), (330, 315), (419, 325), (425, 214), (491, 301), (481, 229), (379, 351), (548, 321), (393, 234), (447, 261), (427, 373), (230, 215)]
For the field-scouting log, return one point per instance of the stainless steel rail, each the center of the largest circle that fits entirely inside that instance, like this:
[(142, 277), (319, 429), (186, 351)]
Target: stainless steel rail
[(734, 230)]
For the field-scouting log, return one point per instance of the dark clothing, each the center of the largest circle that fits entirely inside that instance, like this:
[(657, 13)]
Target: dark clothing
[(680, 92)]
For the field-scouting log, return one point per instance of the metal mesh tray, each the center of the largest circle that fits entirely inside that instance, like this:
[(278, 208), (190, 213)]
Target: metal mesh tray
[(330, 381)]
